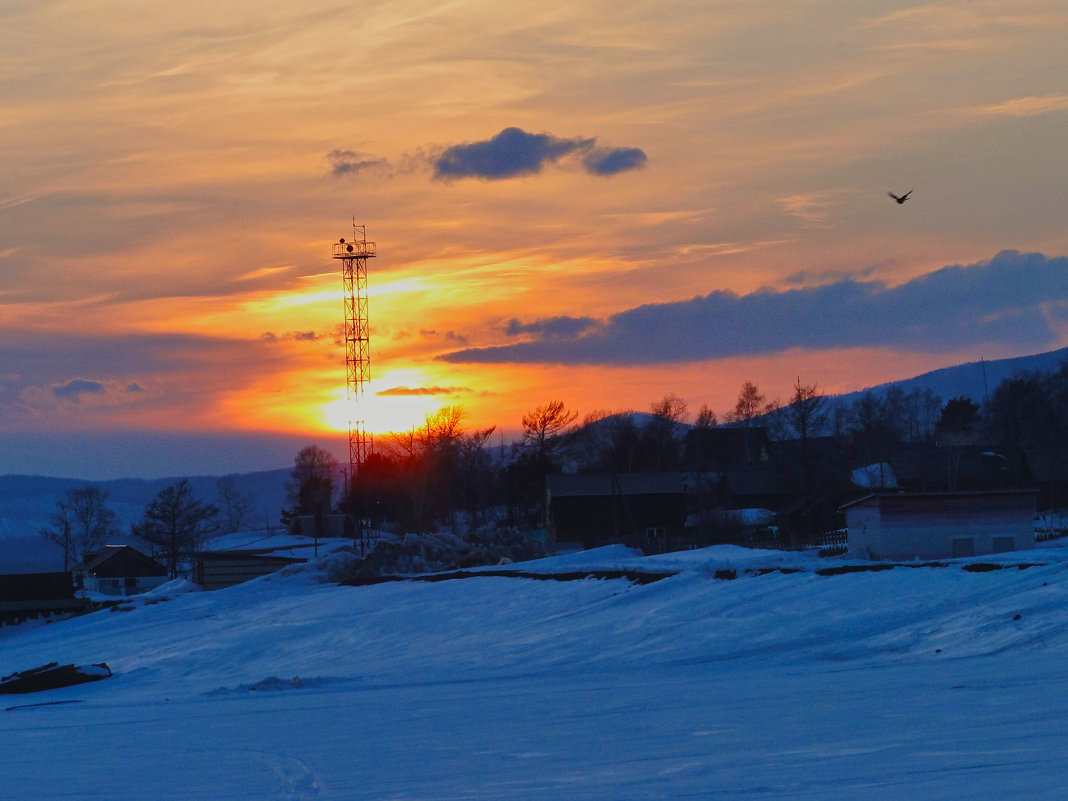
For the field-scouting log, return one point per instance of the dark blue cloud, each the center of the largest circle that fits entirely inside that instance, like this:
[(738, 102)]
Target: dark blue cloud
[(551, 327), (514, 152), (605, 161), (1014, 299), (74, 390), (349, 162)]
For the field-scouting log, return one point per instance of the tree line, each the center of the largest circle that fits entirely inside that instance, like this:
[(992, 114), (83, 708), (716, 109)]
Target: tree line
[(440, 474), (175, 524)]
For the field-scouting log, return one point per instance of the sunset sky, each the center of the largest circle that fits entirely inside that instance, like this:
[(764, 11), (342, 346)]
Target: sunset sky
[(595, 202)]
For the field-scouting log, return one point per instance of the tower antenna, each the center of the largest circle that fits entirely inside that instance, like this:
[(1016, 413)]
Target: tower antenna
[(354, 255)]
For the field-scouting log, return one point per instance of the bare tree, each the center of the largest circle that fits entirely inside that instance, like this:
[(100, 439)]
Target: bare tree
[(671, 407), (926, 409), (81, 523), (234, 504), (432, 456), (177, 524), (311, 480), (545, 428), (706, 418), (751, 405), (443, 427), (403, 444), (475, 478), (661, 436), (806, 410)]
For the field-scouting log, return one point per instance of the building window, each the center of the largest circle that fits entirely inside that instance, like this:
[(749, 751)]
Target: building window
[(1004, 544)]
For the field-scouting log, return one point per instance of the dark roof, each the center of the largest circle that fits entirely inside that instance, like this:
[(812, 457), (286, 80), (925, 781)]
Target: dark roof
[(96, 558), (119, 556), (249, 556), (929, 468), (626, 483), (902, 498)]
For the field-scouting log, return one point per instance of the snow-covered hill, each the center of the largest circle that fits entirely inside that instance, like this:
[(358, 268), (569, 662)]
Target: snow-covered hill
[(975, 380), (785, 683)]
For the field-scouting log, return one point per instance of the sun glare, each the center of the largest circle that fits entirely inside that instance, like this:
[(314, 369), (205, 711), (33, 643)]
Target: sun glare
[(380, 414)]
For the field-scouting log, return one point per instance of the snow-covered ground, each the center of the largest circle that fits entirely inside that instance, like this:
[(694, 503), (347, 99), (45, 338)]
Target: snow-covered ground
[(277, 543), (910, 683)]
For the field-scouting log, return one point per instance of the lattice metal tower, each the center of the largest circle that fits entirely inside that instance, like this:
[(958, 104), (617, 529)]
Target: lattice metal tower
[(354, 255)]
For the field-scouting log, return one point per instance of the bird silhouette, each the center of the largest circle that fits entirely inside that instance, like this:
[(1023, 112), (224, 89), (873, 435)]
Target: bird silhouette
[(901, 199)]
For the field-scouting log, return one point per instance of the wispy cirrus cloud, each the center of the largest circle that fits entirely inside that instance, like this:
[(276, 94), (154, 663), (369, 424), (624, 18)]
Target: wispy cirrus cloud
[(1013, 299), (514, 152), (1025, 106), (272, 338)]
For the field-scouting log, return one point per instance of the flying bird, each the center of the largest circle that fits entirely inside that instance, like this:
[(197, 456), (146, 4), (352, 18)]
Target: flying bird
[(901, 199)]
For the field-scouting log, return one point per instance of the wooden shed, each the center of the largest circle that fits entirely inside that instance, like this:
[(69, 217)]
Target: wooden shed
[(640, 510), (216, 570), (940, 525)]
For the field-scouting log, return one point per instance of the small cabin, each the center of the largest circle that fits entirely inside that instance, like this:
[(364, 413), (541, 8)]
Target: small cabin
[(119, 570), (940, 525), (639, 510), (216, 570)]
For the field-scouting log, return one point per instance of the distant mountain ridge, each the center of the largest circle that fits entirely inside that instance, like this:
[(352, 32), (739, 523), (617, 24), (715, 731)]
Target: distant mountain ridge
[(28, 502), (975, 380)]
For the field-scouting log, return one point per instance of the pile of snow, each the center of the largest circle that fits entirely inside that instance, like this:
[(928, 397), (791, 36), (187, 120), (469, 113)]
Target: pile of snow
[(875, 476)]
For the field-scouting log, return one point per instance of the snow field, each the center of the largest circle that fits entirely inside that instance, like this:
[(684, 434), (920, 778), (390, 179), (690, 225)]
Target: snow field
[(918, 683)]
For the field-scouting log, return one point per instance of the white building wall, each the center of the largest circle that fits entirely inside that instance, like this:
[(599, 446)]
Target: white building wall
[(865, 533), (118, 586), (902, 529)]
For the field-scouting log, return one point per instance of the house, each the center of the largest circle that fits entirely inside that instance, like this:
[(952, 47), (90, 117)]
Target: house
[(938, 525), (216, 570), (646, 510), (30, 595), (119, 570)]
